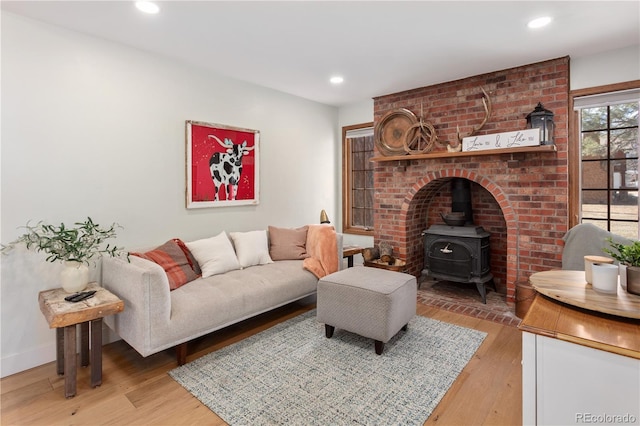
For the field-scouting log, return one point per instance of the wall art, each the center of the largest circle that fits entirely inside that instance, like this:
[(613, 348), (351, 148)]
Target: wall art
[(222, 165)]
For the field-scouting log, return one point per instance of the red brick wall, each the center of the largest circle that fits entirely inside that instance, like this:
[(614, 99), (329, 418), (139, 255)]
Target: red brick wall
[(521, 199)]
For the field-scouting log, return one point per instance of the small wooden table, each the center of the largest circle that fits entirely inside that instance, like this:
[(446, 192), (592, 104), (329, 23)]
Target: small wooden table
[(349, 252), (64, 317), (571, 287)]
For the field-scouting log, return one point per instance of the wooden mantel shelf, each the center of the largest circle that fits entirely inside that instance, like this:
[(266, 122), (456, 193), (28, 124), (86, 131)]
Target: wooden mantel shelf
[(447, 154)]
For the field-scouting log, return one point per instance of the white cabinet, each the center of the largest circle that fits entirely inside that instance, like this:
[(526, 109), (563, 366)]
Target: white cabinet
[(566, 383)]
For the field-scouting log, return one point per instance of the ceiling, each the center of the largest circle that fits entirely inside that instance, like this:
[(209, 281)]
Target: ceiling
[(379, 47)]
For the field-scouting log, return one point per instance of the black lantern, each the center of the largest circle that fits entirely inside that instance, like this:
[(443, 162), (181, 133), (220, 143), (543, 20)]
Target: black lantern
[(542, 119)]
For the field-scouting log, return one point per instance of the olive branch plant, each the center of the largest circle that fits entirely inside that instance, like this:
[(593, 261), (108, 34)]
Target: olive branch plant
[(81, 243)]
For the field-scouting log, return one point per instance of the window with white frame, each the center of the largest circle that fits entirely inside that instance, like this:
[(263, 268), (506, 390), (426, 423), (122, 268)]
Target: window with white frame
[(608, 133)]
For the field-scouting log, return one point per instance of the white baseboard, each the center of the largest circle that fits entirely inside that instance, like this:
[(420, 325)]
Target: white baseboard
[(44, 354), (16, 363)]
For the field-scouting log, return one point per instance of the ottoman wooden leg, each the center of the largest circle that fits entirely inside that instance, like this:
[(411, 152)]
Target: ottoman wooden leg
[(379, 347), (328, 330)]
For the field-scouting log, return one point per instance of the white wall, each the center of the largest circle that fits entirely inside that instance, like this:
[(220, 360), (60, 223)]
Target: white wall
[(93, 128), (614, 66)]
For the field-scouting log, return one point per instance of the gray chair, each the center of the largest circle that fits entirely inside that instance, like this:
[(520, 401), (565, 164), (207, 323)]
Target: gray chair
[(583, 240)]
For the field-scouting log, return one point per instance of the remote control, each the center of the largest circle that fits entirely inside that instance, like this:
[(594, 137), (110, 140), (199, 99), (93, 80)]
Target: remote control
[(80, 296), (72, 296), (83, 296)]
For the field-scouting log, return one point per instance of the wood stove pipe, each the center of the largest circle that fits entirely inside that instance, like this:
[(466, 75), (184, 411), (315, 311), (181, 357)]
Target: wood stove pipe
[(461, 198)]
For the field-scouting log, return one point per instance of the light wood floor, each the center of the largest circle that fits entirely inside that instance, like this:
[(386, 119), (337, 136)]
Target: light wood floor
[(138, 391)]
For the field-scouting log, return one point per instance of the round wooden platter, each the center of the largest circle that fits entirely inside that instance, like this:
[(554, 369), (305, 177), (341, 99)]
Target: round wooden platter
[(390, 131), (571, 287)]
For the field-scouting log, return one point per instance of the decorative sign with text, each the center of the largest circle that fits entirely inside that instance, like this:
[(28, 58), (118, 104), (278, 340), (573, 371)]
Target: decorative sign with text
[(528, 137)]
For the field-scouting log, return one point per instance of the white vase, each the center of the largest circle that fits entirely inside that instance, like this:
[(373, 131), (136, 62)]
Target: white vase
[(74, 276)]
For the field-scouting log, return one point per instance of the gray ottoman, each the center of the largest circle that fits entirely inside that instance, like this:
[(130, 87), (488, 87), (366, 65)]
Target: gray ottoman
[(372, 302)]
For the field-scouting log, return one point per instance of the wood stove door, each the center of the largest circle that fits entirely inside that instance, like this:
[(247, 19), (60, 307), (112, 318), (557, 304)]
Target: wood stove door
[(452, 259)]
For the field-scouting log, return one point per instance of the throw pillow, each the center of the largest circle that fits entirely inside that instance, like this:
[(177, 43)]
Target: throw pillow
[(192, 260), (252, 248), (288, 244), (174, 261), (215, 255)]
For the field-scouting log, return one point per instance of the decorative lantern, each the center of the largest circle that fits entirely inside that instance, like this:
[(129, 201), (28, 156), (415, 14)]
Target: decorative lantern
[(542, 119)]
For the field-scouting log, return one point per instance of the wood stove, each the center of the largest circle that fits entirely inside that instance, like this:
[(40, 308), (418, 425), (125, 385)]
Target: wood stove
[(459, 254)]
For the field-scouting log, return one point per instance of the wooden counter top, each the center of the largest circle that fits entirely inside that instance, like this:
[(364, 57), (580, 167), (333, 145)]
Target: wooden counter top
[(571, 287), (548, 317)]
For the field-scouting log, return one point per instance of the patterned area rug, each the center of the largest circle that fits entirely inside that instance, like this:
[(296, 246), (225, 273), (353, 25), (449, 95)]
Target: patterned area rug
[(292, 374)]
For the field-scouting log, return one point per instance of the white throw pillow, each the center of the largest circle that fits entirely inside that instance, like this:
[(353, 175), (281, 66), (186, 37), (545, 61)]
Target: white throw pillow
[(252, 248), (215, 255)]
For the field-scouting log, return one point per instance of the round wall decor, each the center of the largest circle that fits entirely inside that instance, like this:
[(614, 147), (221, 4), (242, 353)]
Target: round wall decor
[(390, 131)]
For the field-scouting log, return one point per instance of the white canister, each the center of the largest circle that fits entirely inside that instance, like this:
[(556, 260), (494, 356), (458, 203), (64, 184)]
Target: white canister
[(605, 277), (590, 260)]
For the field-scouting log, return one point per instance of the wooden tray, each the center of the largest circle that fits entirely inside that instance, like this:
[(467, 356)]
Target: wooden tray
[(389, 131), (571, 287), (398, 266)]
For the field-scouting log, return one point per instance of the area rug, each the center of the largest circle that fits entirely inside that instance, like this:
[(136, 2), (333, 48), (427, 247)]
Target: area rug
[(291, 374)]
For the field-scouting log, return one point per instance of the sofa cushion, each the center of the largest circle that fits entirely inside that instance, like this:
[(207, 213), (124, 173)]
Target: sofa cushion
[(174, 261), (221, 300), (215, 255), (252, 248), (288, 244)]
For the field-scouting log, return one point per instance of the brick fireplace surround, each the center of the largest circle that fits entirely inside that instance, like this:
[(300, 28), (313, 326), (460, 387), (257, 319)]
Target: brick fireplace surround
[(520, 198)]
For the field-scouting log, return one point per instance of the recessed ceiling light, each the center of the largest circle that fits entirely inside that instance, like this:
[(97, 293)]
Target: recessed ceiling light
[(336, 79), (539, 22), (147, 7)]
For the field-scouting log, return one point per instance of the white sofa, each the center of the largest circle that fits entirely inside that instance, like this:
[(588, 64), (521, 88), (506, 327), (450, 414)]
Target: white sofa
[(156, 318)]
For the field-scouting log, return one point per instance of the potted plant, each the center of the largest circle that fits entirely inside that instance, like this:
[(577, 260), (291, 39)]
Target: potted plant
[(75, 246), (627, 255)]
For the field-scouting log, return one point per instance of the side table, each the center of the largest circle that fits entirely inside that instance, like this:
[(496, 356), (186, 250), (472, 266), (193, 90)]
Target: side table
[(349, 252), (65, 317)]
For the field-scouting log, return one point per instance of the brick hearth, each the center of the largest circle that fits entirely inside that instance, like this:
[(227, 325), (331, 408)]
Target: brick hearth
[(521, 198), (464, 300)]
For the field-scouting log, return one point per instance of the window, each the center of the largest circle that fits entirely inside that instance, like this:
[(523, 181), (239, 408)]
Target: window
[(357, 179), (608, 134)]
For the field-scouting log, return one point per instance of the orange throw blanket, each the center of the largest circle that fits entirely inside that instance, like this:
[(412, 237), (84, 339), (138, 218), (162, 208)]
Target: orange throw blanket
[(322, 250)]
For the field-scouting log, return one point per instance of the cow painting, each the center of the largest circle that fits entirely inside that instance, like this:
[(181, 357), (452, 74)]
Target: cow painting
[(226, 167)]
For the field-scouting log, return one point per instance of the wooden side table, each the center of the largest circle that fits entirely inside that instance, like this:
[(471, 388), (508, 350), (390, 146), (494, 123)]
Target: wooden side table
[(65, 317), (349, 252)]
